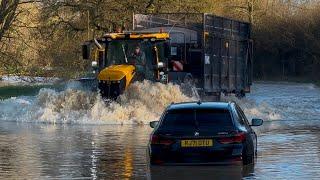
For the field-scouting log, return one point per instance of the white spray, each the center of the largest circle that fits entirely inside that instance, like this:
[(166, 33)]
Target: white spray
[(141, 103)]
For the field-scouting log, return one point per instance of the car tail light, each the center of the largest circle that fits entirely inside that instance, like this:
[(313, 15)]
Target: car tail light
[(155, 139), (237, 138)]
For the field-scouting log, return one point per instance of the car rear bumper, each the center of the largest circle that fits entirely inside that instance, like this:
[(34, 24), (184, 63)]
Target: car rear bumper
[(231, 160), (230, 155)]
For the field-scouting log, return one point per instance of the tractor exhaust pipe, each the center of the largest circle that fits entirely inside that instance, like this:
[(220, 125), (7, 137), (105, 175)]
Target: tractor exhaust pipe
[(97, 44)]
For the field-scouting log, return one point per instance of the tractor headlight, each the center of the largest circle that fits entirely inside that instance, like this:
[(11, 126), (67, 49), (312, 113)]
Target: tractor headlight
[(160, 65), (163, 77), (94, 64)]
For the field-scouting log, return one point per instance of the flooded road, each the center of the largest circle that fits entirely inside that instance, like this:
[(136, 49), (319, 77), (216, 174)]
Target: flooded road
[(288, 142)]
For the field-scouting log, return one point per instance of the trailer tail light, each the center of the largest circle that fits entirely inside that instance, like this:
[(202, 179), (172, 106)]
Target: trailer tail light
[(236, 138), (158, 161), (155, 139)]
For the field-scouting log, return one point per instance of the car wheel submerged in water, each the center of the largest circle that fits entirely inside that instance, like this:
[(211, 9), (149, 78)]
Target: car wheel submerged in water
[(203, 133)]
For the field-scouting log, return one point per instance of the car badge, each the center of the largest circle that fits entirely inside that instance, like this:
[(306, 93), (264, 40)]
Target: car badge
[(196, 133)]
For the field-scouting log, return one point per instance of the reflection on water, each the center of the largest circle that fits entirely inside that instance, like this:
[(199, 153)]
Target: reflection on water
[(286, 149), (200, 172), (34, 150)]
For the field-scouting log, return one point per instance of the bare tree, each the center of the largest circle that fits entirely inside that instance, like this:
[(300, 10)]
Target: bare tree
[(7, 15)]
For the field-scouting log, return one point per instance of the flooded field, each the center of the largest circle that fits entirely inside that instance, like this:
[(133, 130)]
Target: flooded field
[(70, 134)]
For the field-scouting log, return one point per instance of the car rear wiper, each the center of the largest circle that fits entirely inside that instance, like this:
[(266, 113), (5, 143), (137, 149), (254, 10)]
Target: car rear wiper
[(195, 121)]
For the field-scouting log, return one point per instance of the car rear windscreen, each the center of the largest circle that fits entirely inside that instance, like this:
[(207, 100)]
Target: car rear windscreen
[(213, 119), (202, 119), (179, 119)]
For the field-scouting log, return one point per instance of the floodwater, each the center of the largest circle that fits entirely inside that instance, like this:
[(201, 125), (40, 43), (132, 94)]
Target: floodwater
[(53, 135)]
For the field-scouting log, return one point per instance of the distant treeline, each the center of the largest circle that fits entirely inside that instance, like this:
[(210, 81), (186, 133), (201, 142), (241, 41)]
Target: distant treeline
[(44, 37), (287, 42)]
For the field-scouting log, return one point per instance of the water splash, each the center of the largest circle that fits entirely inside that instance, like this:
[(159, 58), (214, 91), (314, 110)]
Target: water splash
[(141, 103), (254, 109), (145, 101)]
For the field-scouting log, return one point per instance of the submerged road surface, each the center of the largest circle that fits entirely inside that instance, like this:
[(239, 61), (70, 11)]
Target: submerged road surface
[(288, 143)]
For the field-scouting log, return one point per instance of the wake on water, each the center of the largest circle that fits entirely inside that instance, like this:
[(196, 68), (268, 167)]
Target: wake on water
[(142, 103)]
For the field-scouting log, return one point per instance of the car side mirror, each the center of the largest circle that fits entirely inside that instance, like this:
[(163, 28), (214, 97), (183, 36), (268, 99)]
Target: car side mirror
[(256, 122), (153, 124)]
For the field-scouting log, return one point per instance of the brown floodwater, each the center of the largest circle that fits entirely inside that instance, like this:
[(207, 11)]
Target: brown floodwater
[(288, 142), (287, 150)]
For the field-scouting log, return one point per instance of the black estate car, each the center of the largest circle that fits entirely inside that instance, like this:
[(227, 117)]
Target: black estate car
[(203, 133)]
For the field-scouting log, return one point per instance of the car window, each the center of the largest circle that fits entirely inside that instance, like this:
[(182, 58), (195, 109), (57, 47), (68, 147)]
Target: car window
[(242, 118), (179, 119), (214, 119)]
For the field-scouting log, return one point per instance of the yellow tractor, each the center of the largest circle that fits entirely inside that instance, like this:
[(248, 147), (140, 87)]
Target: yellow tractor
[(212, 53), (118, 59)]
